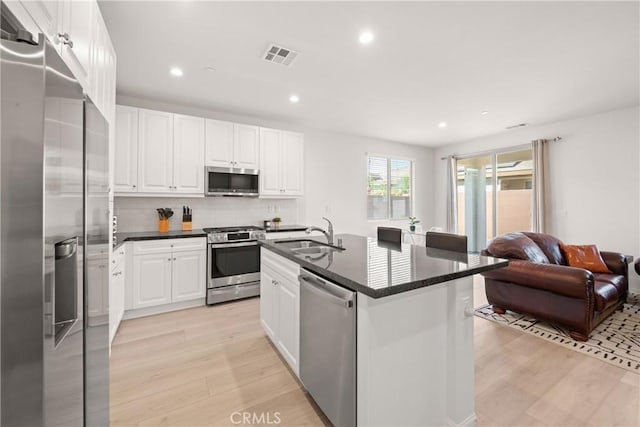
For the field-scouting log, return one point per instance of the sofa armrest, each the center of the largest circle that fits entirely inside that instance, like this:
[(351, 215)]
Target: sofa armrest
[(569, 281), (616, 262)]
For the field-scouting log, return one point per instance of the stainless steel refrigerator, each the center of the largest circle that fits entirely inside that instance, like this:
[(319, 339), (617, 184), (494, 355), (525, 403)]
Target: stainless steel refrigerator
[(54, 217)]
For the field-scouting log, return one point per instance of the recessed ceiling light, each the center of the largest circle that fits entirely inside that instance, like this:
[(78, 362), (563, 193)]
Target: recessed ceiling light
[(209, 69), (442, 124), (175, 71), (366, 37), (294, 99), (484, 113)]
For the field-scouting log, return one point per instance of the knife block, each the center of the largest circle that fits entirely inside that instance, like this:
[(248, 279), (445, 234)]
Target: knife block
[(163, 225), (187, 225)]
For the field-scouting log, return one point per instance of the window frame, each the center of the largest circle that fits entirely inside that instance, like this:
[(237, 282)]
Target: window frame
[(389, 158)]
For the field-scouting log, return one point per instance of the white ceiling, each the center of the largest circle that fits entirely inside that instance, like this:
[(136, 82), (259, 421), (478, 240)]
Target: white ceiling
[(532, 62)]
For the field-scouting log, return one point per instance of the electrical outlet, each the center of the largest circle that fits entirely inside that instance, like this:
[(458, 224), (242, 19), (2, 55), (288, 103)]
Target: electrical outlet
[(327, 209), (268, 208)]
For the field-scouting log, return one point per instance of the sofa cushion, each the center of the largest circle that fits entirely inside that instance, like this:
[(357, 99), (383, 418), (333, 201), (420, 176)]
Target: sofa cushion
[(549, 245), (585, 256), (616, 280), (517, 246), (606, 294)]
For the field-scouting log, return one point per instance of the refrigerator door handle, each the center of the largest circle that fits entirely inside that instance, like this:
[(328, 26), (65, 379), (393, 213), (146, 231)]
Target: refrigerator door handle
[(62, 307)]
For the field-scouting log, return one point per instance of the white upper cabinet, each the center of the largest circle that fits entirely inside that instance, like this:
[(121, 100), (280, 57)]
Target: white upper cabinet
[(158, 152), (270, 173), (219, 143), (246, 146), (45, 15), (155, 151), (75, 32), (293, 160), (103, 69), (231, 145), (188, 149), (126, 150), (281, 163)]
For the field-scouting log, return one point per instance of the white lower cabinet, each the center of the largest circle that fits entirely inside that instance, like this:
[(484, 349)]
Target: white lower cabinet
[(116, 291), (188, 275), (280, 305), (151, 280), (167, 271)]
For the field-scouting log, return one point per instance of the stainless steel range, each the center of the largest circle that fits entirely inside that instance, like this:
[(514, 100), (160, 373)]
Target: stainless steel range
[(233, 263)]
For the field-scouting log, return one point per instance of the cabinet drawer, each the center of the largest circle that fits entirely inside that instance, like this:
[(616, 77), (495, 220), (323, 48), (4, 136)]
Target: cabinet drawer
[(169, 245), (280, 266)]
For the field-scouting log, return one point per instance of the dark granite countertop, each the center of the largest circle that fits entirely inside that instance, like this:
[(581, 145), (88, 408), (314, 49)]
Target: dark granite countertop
[(379, 269), (285, 228), (154, 235)]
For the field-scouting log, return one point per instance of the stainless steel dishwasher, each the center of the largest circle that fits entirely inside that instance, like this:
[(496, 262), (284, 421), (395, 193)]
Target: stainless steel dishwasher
[(328, 347)]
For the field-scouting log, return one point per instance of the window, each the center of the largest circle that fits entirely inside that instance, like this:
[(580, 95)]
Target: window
[(389, 190)]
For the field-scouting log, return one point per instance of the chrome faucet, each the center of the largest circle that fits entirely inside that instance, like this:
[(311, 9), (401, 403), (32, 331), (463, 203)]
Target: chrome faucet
[(328, 234)]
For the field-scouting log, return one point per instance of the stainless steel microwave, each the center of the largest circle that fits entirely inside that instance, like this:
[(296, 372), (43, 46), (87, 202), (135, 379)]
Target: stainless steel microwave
[(231, 182)]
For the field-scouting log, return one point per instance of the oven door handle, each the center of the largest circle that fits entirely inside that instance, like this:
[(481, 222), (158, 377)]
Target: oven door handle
[(232, 245)]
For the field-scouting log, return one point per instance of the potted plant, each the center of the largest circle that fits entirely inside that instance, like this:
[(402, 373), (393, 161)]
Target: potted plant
[(276, 222), (412, 223)]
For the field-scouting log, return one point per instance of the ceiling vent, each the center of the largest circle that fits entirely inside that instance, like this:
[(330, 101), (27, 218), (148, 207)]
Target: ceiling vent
[(519, 125), (279, 55)]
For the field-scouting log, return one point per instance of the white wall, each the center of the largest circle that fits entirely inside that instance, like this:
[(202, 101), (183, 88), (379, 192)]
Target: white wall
[(594, 173), (335, 183), (336, 180)]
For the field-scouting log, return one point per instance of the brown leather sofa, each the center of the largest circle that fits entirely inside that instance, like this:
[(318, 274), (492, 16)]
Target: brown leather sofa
[(539, 283)]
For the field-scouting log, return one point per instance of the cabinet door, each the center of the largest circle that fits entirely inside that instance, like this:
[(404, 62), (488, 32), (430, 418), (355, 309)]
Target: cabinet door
[(126, 150), (45, 15), (188, 275), (270, 163), (151, 280), (155, 151), (268, 301), (246, 146), (288, 323), (219, 143), (116, 300), (77, 22), (293, 160), (188, 153)]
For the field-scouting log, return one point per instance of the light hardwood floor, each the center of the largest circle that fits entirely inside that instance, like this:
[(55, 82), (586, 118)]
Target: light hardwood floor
[(199, 366)]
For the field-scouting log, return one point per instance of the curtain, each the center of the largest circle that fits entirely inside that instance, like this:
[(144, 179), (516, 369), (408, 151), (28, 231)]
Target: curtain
[(540, 183), (452, 194)]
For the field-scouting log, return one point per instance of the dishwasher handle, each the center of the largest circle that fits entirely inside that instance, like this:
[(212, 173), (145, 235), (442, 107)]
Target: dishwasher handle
[(319, 287)]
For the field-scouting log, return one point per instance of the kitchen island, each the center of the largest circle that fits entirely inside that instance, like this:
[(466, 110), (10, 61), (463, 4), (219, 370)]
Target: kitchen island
[(414, 326)]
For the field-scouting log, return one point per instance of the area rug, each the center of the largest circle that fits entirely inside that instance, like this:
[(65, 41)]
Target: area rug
[(616, 340)]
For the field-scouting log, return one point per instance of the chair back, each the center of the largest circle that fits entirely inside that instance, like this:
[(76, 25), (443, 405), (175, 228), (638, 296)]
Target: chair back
[(391, 235), (446, 241)]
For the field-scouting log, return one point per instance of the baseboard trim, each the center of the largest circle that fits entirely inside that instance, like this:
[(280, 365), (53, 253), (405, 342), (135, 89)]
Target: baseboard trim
[(165, 308)]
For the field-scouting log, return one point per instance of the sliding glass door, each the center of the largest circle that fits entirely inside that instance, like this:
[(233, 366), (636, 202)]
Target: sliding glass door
[(494, 195)]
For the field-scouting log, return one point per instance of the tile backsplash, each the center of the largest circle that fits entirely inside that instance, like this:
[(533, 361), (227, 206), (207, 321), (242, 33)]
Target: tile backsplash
[(139, 213)]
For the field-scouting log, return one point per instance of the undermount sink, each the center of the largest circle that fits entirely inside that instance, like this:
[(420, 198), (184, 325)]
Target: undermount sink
[(300, 244), (316, 250), (308, 247)]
